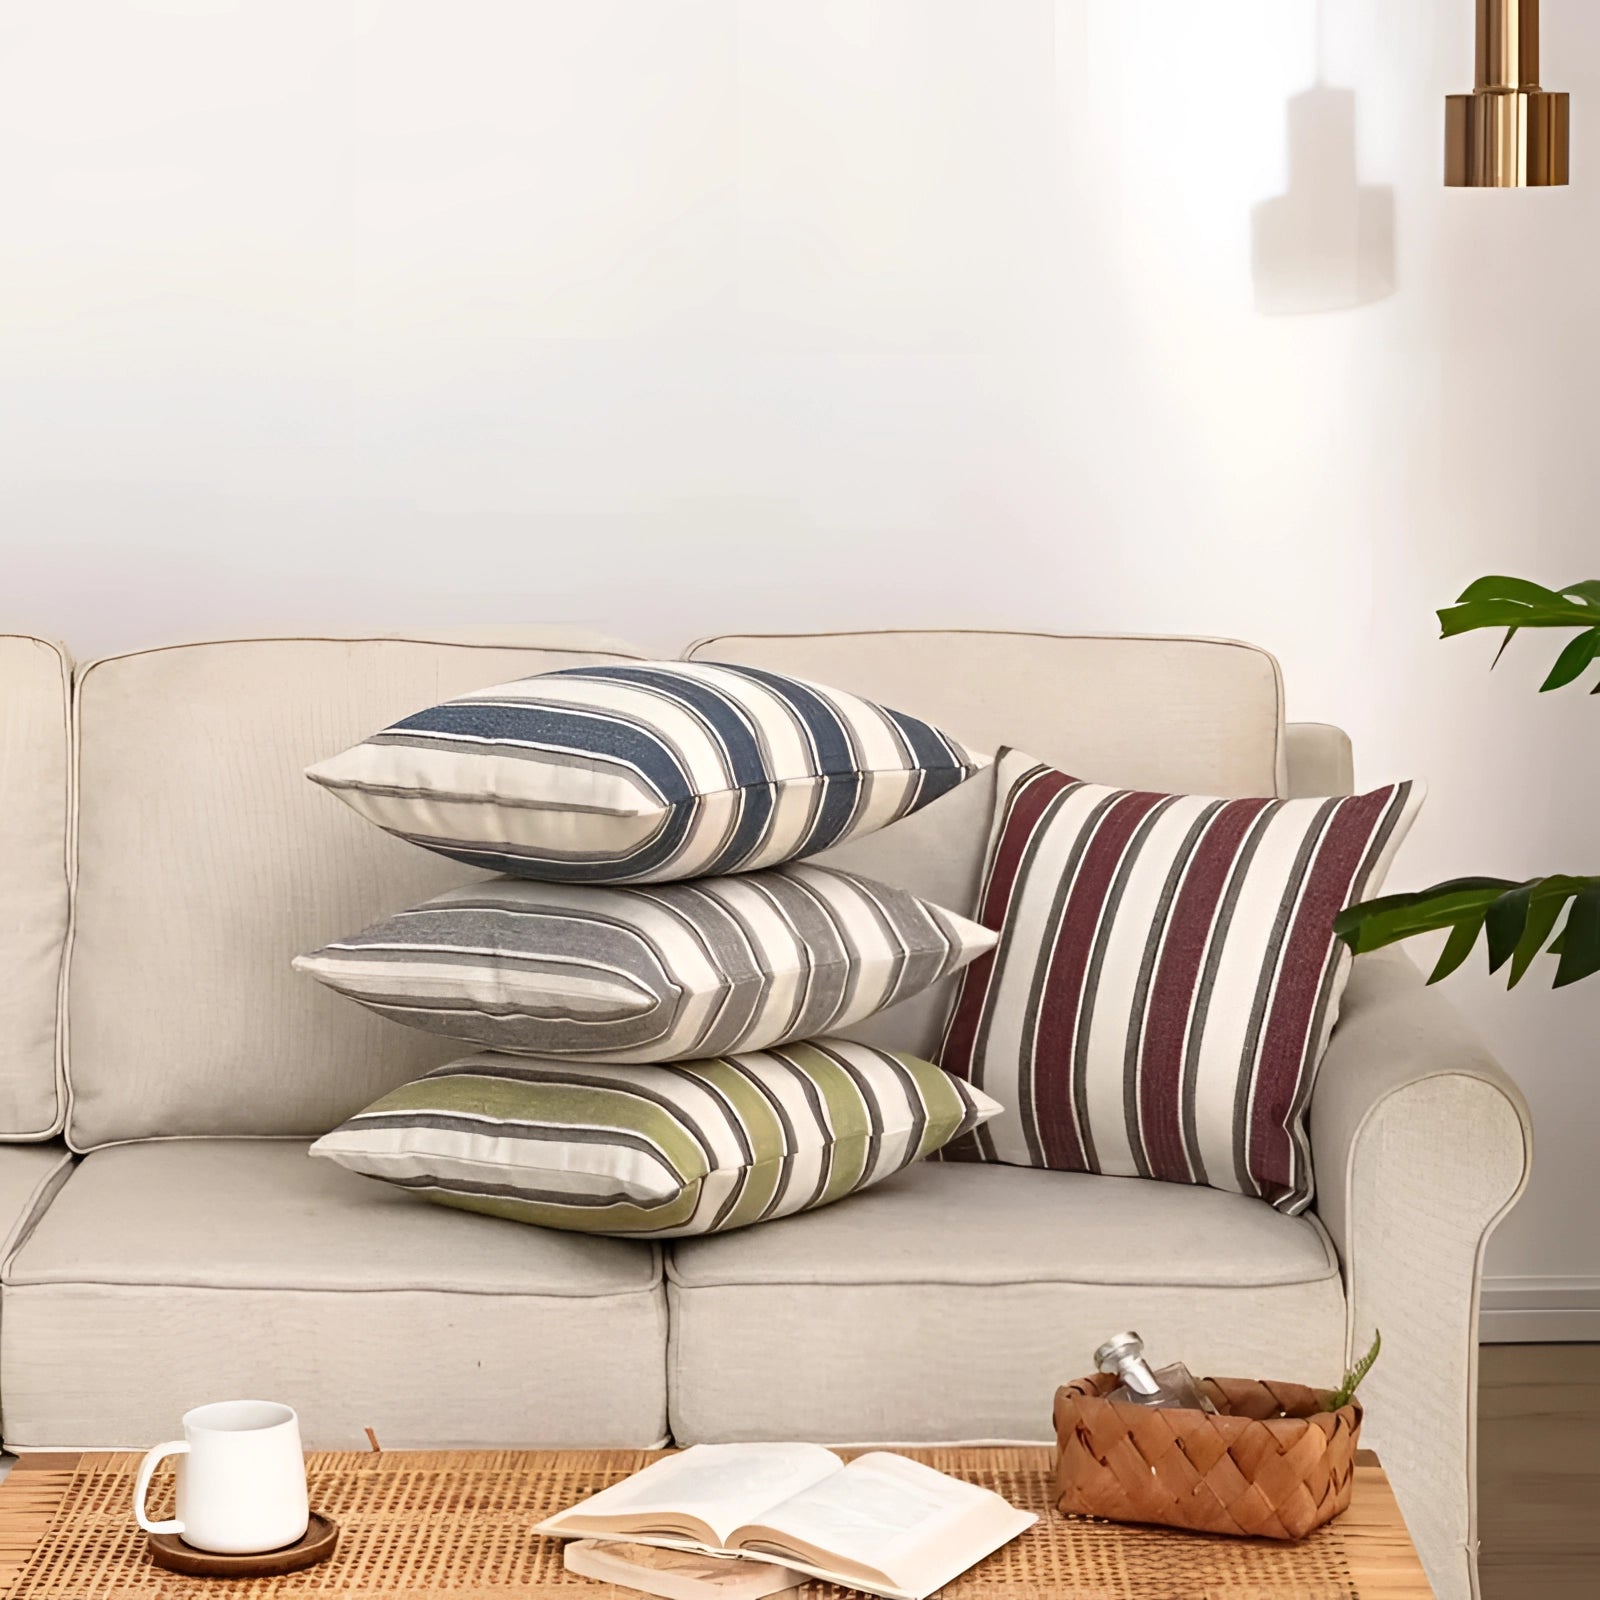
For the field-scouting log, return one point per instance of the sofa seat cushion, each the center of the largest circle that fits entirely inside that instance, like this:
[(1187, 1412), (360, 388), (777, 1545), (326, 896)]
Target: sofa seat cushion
[(948, 1303), (166, 1274), (29, 1175)]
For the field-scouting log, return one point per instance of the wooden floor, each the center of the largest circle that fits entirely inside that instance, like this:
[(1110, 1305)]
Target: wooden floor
[(1539, 1471)]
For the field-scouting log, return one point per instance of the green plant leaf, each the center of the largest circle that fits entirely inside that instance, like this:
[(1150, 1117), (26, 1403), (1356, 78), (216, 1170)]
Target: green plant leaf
[(1517, 920), (1573, 660), (1544, 907), (1457, 947), (1503, 923), (1522, 590), (1513, 614), (1346, 1392), (1517, 603), (1580, 937), (1376, 923)]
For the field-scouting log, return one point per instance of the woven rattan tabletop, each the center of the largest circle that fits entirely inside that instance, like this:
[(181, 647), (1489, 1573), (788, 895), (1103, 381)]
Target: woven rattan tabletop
[(455, 1523)]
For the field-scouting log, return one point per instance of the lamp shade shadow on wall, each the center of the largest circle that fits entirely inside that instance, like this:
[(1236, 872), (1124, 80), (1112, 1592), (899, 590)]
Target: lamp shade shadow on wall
[(1328, 243)]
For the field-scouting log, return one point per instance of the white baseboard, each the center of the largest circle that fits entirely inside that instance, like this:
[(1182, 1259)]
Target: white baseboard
[(1533, 1310)]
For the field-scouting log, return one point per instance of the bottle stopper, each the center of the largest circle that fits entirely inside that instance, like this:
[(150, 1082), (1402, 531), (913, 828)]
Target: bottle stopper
[(1120, 1347)]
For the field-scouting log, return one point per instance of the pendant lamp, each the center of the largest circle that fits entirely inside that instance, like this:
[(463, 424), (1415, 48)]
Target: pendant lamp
[(1508, 133)]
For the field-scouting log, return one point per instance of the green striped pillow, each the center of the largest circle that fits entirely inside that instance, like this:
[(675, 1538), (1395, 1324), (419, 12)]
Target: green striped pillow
[(658, 1151)]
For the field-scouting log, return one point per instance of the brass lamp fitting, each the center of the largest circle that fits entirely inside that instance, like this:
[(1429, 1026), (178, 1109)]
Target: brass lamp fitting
[(1508, 133)]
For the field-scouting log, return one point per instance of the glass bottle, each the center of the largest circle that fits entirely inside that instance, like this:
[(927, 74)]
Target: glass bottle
[(1166, 1388)]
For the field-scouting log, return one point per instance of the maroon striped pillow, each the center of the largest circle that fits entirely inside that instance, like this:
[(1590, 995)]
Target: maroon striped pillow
[(1165, 979)]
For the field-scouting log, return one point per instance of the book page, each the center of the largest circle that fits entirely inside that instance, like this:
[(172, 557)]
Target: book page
[(719, 1485), (887, 1518)]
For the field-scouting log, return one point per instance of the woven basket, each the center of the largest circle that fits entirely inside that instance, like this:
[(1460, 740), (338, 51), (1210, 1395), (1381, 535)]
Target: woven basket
[(1270, 1464)]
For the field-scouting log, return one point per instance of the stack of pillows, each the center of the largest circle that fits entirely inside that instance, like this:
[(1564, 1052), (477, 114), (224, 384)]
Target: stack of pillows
[(653, 981), (1148, 988)]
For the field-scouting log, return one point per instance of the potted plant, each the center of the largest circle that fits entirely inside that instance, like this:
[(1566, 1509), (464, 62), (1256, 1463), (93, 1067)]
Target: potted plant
[(1517, 920)]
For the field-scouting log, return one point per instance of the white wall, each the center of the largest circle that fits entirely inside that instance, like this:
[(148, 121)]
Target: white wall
[(677, 315)]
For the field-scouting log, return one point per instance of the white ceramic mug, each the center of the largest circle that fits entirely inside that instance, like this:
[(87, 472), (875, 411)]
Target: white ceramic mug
[(241, 1479)]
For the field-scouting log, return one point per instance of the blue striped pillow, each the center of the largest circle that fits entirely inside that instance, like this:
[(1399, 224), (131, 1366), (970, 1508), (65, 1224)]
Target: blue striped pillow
[(645, 772)]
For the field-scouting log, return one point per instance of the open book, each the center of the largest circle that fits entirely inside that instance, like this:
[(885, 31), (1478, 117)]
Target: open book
[(884, 1524)]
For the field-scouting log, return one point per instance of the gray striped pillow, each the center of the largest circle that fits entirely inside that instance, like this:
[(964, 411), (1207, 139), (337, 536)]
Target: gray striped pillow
[(658, 1152), (645, 772), (664, 973)]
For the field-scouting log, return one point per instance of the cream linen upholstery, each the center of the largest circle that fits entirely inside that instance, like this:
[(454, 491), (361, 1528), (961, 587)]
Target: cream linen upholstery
[(1321, 761), (1189, 716), (168, 1273), (949, 1302), (206, 861), (30, 1174), (34, 676), (1421, 1145)]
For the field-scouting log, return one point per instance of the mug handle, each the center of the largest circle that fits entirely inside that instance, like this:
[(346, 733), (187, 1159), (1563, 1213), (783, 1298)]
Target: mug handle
[(141, 1490)]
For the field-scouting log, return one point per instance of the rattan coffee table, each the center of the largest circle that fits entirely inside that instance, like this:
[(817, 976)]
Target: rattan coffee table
[(455, 1523)]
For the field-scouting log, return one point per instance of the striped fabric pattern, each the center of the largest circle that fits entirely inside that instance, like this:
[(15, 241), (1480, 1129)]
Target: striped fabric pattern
[(646, 772), (663, 973), (658, 1152), (1166, 976)]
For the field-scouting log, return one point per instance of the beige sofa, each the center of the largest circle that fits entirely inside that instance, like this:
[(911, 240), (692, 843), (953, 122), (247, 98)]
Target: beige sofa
[(187, 1249)]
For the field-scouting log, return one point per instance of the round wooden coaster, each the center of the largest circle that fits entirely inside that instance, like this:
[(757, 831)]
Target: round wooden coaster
[(169, 1551)]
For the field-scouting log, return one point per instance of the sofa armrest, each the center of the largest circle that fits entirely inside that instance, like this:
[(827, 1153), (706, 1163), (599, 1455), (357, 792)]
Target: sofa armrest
[(1320, 760), (1420, 1144)]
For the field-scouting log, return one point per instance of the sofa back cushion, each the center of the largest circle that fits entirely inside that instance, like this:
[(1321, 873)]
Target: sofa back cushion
[(1203, 716), (206, 862), (34, 688), (1183, 716)]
